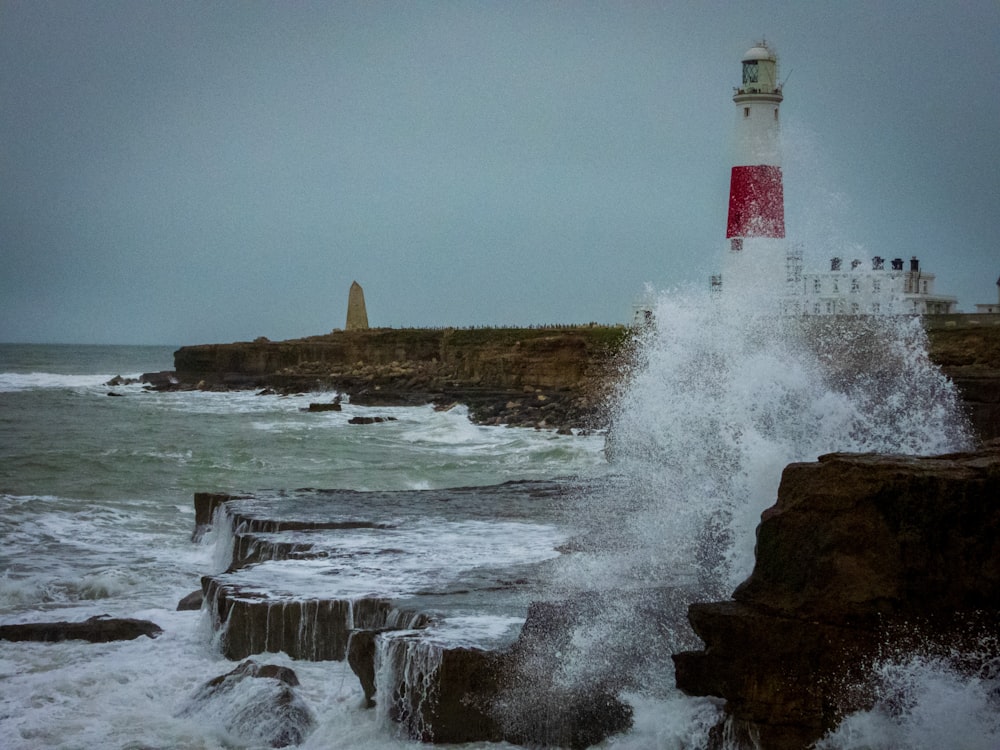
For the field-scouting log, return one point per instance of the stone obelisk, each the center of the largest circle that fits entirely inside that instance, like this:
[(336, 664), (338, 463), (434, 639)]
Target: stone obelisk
[(357, 315)]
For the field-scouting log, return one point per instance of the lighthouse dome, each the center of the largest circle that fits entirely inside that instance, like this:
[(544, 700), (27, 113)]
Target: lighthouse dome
[(760, 52)]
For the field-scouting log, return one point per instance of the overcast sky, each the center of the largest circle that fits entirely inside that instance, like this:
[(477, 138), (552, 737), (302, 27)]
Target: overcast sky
[(189, 172)]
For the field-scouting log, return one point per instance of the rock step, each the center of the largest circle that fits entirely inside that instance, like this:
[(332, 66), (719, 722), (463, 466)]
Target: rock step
[(250, 549), (312, 629)]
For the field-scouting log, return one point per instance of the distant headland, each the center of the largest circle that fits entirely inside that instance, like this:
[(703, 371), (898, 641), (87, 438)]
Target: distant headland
[(549, 377), (552, 377)]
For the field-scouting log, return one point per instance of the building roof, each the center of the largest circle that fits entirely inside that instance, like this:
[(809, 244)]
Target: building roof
[(759, 52)]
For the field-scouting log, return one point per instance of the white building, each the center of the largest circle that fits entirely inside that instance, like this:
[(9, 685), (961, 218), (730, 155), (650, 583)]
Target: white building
[(860, 288)]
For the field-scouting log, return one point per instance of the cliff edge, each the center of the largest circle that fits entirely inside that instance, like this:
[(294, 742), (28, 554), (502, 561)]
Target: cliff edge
[(546, 377)]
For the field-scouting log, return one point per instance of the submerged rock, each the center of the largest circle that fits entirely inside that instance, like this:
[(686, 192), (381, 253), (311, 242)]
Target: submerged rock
[(334, 406), (119, 380), (99, 629), (860, 554), (370, 420), (256, 704)]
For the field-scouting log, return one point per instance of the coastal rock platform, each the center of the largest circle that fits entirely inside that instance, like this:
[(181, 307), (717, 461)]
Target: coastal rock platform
[(437, 645)]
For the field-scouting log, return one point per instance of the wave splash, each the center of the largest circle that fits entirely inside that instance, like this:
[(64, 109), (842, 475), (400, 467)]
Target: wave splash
[(720, 394), (720, 399)]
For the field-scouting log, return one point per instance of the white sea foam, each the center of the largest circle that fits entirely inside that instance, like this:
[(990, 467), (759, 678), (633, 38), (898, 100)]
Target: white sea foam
[(25, 381), (401, 562), (925, 704), (723, 399)]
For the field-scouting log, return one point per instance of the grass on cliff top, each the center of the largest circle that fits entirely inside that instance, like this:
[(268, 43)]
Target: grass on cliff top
[(601, 336)]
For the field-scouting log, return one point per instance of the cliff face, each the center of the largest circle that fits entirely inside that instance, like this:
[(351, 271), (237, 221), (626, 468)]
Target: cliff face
[(496, 358), (967, 348), (861, 555), (571, 367), (525, 376)]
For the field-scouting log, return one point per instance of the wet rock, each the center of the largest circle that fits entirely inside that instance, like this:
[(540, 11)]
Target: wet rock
[(192, 601), (519, 695), (249, 549), (165, 380), (860, 553), (442, 695), (205, 505), (361, 658), (99, 629), (370, 420), (334, 406), (118, 380), (313, 629), (256, 704)]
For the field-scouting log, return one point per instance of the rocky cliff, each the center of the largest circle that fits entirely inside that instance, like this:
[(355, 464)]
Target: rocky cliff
[(967, 348), (529, 376), (861, 555), (551, 377)]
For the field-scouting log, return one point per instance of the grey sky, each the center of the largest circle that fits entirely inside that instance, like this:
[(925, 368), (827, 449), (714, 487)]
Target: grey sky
[(186, 172)]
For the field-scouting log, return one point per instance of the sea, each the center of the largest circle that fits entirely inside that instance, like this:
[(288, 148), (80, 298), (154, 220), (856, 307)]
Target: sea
[(96, 518)]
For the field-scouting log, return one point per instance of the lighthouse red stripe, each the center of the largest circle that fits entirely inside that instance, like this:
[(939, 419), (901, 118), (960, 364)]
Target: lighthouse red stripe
[(756, 202)]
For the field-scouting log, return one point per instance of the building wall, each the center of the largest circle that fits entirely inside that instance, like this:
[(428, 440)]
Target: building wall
[(856, 289)]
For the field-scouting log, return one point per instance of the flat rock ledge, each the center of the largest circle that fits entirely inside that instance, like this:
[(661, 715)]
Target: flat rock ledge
[(861, 555), (435, 693)]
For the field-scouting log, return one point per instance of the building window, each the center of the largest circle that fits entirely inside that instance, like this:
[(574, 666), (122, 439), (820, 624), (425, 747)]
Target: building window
[(855, 286), (854, 308), (750, 72), (829, 308), (835, 287), (925, 286), (876, 308), (816, 308), (817, 286), (736, 244), (775, 113), (877, 285), (746, 111)]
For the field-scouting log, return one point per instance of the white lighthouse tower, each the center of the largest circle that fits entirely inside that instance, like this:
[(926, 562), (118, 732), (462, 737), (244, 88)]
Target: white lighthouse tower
[(755, 228)]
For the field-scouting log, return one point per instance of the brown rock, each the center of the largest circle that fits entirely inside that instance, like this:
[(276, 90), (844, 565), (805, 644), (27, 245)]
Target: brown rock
[(99, 629), (860, 552), (272, 714), (190, 602)]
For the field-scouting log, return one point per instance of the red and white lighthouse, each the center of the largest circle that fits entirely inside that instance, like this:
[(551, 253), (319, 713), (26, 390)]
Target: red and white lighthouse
[(756, 197)]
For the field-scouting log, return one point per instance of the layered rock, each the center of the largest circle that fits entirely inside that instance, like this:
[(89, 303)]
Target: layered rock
[(860, 553), (434, 692), (524, 376), (457, 694), (967, 348), (313, 629)]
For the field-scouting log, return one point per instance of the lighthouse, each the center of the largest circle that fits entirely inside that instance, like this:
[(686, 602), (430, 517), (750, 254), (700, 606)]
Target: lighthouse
[(757, 264), (756, 197)]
